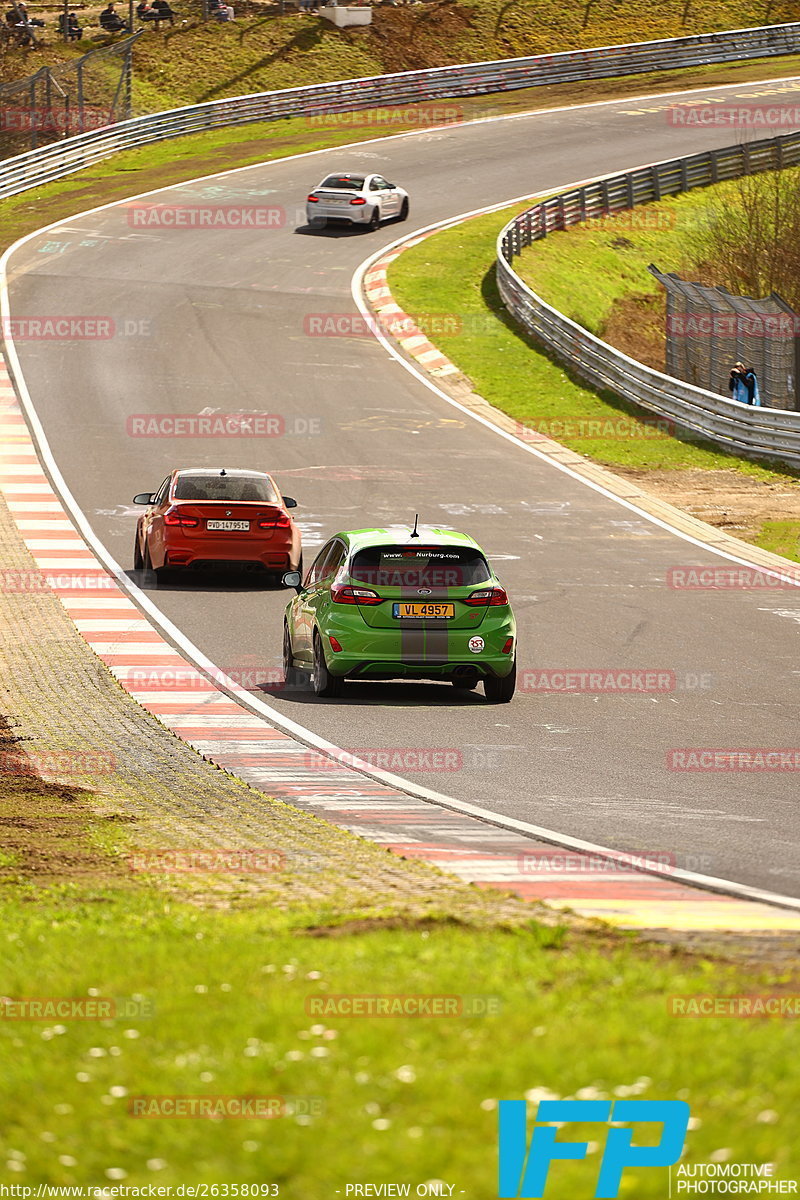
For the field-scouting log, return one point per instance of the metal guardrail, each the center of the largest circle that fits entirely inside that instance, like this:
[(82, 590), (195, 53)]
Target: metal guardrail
[(41, 166), (69, 97), (761, 432)]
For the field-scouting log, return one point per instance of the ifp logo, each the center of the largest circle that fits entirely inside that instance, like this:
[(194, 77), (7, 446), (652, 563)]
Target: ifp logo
[(523, 1171)]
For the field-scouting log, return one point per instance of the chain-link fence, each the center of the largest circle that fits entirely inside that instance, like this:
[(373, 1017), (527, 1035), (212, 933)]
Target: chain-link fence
[(58, 102), (709, 329)]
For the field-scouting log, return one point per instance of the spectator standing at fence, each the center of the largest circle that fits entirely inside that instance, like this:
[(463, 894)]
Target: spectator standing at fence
[(736, 383), (743, 385), (751, 383)]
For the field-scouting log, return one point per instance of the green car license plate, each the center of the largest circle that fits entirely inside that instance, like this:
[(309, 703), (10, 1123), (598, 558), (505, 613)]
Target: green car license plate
[(423, 610)]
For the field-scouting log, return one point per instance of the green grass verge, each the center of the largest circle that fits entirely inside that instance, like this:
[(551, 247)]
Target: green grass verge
[(586, 270), (781, 537), (453, 273), (222, 1010), (404, 1099)]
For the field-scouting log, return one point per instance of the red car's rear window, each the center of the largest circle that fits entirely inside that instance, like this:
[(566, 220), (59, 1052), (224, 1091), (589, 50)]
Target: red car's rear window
[(254, 488)]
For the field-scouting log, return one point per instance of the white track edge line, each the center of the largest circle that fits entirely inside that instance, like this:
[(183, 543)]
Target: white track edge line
[(221, 681), (527, 114), (423, 377)]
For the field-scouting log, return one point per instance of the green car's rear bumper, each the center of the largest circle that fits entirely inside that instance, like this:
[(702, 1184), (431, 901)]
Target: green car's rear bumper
[(436, 652)]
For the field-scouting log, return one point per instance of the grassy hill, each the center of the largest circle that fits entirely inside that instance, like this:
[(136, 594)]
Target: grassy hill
[(262, 50)]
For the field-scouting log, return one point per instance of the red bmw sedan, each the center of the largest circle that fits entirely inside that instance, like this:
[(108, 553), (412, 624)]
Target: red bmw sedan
[(205, 518)]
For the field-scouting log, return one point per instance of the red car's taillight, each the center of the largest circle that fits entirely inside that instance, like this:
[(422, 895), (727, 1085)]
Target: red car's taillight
[(174, 516), (358, 200), (313, 199), (281, 521), (345, 594), (492, 595)]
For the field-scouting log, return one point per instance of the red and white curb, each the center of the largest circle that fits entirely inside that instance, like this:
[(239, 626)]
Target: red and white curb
[(170, 687), (394, 321)]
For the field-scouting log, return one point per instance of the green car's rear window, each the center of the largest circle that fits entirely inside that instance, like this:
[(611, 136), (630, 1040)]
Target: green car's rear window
[(419, 566)]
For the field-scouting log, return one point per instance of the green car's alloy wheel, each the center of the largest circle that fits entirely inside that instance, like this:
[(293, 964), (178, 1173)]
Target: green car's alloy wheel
[(500, 691), (322, 682)]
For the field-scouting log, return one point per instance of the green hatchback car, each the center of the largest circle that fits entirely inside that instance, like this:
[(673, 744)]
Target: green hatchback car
[(386, 604)]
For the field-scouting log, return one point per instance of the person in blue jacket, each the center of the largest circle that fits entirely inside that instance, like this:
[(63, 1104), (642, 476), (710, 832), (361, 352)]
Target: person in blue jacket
[(743, 385)]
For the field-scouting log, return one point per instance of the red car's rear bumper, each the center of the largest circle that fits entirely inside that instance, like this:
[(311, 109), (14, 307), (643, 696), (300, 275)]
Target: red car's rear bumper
[(274, 554)]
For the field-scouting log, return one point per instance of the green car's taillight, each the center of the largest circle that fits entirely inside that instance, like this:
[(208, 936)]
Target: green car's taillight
[(491, 596), (344, 593)]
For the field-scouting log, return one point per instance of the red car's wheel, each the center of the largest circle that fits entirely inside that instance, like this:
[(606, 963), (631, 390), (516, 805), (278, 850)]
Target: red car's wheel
[(161, 573), (138, 560)]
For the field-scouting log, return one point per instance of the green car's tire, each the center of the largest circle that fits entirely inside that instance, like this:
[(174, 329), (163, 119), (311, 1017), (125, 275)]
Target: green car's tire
[(322, 682), (500, 691), (292, 677)]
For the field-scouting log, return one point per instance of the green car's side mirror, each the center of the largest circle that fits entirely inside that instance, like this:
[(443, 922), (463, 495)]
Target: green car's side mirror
[(292, 580)]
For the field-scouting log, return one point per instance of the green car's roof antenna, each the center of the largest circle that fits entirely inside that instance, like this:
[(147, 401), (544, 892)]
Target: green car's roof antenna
[(414, 533)]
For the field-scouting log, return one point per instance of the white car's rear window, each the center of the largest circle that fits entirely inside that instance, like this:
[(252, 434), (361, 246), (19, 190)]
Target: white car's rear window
[(351, 183)]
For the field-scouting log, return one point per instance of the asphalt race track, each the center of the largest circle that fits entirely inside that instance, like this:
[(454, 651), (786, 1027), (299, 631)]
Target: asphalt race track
[(213, 321)]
